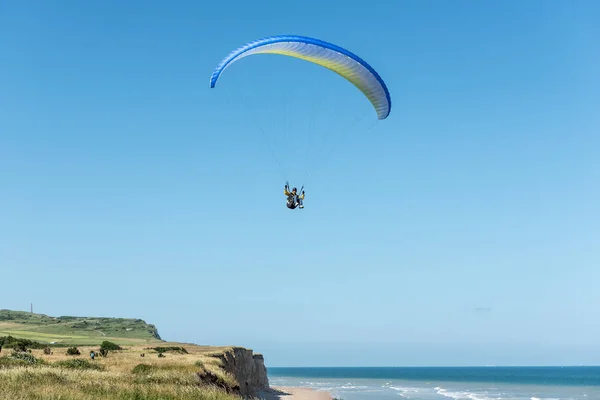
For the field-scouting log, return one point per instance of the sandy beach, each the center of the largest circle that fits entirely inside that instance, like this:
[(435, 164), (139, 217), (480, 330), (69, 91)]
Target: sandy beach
[(293, 393)]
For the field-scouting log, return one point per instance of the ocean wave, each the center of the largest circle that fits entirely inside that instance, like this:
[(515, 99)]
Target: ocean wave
[(544, 398), (463, 395), (325, 385), (317, 384), (352, 385), (404, 391)]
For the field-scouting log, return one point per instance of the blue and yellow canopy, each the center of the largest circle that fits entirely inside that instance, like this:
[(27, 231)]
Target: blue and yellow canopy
[(335, 58)]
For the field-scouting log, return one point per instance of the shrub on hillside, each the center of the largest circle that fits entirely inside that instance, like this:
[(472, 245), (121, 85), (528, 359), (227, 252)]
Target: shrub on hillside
[(110, 346), (173, 349), (79, 364), (73, 351), (25, 357), (142, 369), (19, 344)]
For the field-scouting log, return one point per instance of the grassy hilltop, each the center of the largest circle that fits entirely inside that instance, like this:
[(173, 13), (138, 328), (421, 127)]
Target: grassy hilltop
[(68, 330), (43, 357)]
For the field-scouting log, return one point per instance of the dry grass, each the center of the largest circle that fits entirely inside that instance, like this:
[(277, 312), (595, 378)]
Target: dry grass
[(171, 377)]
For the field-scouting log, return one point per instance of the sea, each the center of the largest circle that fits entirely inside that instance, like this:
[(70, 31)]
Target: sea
[(446, 383)]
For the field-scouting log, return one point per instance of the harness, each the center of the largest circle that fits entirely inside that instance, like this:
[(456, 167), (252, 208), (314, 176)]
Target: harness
[(291, 201)]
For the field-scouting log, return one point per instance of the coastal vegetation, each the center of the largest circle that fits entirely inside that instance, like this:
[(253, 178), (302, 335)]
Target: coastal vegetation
[(77, 358), (135, 372)]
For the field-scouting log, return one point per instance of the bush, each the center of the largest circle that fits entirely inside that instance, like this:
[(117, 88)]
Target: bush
[(173, 349), (110, 346), (142, 369), (73, 351), (47, 351), (79, 364), (7, 362), (27, 358), (6, 340), (19, 344)]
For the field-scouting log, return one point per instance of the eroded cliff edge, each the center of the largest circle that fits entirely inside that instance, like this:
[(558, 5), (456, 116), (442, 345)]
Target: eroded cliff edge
[(247, 368)]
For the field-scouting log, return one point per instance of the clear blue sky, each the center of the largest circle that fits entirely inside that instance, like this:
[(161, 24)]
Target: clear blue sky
[(129, 188)]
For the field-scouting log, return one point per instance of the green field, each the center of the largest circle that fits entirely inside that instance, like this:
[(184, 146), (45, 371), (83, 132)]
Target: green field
[(69, 330)]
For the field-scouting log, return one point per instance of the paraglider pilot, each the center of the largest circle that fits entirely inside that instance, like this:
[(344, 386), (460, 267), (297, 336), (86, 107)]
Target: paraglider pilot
[(293, 199)]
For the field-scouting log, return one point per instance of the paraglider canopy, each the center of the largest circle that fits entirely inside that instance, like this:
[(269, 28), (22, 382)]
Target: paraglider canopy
[(341, 61)]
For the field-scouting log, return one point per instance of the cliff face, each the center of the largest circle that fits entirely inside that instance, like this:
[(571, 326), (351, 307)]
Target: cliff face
[(248, 369)]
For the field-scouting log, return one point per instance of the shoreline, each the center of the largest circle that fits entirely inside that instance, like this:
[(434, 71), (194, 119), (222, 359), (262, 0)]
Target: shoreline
[(294, 393)]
